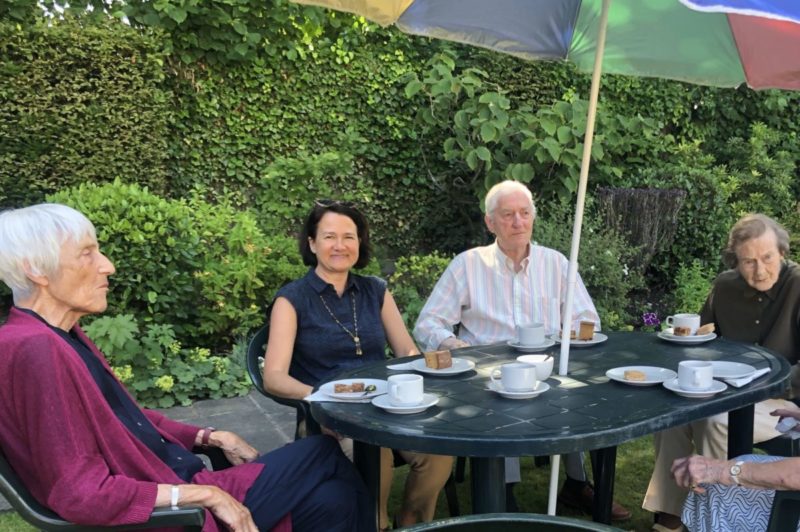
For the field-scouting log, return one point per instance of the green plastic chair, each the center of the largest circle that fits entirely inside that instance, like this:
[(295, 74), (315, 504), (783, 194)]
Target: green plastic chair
[(21, 500), (516, 522)]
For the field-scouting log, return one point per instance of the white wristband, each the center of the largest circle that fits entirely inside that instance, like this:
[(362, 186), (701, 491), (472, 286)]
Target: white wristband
[(174, 496)]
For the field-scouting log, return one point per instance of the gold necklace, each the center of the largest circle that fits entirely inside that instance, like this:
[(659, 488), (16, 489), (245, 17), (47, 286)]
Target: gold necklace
[(355, 337)]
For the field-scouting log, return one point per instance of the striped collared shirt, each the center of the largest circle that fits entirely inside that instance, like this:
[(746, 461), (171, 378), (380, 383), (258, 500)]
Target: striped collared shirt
[(481, 291)]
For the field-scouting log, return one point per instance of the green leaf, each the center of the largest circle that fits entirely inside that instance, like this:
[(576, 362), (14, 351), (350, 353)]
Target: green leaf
[(488, 132), (483, 153), (549, 125), (564, 134), (413, 87)]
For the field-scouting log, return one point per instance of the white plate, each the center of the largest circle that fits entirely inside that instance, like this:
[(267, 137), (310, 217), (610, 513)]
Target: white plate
[(653, 375), (598, 338), (380, 388), (428, 400), (460, 365), (669, 337), (497, 387), (716, 387), (731, 370), (531, 348)]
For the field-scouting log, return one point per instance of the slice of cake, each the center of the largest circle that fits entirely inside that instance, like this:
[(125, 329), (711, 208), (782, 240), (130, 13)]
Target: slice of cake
[(586, 331), (438, 359), (681, 331), (634, 375)]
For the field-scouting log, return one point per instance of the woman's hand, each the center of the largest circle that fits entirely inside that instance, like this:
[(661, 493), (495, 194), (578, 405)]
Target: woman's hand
[(452, 343), (329, 432), (692, 471), (236, 450), (234, 514)]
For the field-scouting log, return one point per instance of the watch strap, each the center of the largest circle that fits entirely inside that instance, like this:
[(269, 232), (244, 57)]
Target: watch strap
[(206, 436)]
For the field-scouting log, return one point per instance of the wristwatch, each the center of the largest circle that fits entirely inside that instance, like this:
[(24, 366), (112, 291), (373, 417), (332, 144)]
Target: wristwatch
[(735, 470), (205, 437)]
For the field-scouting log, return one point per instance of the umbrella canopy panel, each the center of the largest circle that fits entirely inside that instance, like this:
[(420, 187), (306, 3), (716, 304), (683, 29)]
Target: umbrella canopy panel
[(653, 38)]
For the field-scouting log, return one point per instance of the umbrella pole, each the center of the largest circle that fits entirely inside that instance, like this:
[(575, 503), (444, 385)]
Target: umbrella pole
[(566, 326)]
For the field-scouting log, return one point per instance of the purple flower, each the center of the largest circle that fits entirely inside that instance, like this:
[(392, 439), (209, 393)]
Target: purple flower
[(650, 319)]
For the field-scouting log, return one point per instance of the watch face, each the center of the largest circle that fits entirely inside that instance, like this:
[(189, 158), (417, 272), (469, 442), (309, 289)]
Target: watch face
[(736, 469)]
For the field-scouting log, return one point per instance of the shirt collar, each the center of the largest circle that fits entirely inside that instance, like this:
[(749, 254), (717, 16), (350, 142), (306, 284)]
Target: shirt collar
[(319, 285), (508, 262)]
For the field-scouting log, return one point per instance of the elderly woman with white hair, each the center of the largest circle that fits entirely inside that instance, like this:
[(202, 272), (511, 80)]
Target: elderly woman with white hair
[(82, 445)]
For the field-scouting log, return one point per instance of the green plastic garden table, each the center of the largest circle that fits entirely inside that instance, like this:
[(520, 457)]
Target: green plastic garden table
[(582, 411)]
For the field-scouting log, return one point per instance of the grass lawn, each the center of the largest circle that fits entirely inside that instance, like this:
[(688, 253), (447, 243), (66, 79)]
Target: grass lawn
[(634, 465)]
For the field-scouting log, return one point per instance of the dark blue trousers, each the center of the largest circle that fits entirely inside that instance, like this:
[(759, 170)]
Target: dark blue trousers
[(313, 480)]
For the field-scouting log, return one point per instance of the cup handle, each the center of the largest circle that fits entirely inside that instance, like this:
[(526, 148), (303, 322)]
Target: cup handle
[(668, 320), (491, 375), (393, 390)]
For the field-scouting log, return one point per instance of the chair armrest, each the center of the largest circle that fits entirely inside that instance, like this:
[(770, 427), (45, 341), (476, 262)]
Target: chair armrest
[(785, 511)]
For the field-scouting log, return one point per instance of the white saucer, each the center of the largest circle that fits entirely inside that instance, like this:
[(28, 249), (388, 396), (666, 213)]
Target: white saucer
[(531, 348), (695, 339), (716, 387), (428, 400), (653, 375), (460, 365), (541, 387), (380, 388), (598, 338), (731, 370)]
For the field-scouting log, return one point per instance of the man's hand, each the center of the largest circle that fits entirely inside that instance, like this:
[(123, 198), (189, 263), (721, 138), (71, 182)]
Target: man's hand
[(452, 343), (236, 450), (234, 514)]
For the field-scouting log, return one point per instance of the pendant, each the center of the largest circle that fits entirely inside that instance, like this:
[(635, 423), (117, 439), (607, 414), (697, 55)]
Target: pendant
[(357, 340)]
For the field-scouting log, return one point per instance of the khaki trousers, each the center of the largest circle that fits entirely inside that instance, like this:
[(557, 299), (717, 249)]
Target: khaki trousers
[(708, 437), (427, 476)]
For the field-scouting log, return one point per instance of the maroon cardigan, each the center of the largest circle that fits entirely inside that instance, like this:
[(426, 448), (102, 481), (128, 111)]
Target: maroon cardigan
[(68, 446)]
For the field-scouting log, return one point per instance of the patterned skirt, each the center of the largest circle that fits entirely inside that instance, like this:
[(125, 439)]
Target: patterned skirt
[(724, 508)]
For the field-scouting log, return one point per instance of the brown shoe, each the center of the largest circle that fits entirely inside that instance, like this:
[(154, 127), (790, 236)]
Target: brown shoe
[(582, 500)]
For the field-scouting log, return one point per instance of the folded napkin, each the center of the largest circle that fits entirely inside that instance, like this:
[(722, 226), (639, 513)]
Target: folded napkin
[(320, 396), (743, 381), (403, 366)]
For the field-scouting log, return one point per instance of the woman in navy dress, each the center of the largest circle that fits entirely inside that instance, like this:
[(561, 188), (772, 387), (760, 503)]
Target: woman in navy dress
[(332, 320)]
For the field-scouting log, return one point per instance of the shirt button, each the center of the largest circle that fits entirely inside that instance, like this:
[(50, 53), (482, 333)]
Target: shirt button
[(139, 423), (758, 321), (163, 440), (759, 300), (180, 458)]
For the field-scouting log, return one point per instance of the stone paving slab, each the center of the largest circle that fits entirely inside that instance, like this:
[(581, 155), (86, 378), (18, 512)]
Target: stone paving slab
[(265, 424)]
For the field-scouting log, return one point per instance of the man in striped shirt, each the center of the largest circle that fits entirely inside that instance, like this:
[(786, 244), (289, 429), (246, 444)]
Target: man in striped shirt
[(487, 291)]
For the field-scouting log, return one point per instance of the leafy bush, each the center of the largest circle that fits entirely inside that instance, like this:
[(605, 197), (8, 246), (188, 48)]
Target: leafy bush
[(692, 286), (604, 260), (412, 282), (206, 270), (157, 370)]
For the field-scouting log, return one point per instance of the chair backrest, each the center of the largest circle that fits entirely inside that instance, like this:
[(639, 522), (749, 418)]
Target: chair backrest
[(785, 511), (255, 364), (21, 500)]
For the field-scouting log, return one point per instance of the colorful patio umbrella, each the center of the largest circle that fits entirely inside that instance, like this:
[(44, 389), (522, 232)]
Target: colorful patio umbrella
[(723, 43)]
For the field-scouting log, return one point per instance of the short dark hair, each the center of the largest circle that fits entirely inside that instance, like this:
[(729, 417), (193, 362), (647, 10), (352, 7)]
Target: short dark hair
[(345, 208), (749, 227)]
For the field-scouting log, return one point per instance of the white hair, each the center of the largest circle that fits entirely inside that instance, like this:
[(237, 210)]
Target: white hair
[(33, 237), (504, 188)]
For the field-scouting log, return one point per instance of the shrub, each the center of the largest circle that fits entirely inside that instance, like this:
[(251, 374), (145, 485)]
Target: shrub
[(412, 282), (157, 370), (604, 263), (692, 285), (206, 270)]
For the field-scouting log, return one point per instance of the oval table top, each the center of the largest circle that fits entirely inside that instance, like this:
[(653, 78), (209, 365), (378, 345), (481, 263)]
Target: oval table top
[(581, 411)]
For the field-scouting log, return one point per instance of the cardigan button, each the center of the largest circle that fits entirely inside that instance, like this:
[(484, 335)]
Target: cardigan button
[(758, 321)]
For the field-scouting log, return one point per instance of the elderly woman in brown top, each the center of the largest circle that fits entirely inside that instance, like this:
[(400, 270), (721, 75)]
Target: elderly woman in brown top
[(757, 301)]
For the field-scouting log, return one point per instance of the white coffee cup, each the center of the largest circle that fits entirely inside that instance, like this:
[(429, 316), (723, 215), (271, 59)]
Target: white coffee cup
[(695, 375), (405, 389), (685, 320), (531, 334), (542, 363), (515, 377)]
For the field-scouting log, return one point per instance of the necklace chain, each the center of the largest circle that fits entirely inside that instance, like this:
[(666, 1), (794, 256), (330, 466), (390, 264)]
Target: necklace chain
[(352, 335)]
